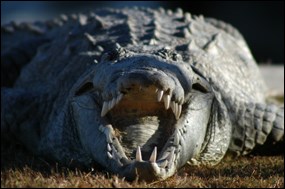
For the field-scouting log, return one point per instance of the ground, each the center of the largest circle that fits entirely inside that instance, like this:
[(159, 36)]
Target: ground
[(19, 169)]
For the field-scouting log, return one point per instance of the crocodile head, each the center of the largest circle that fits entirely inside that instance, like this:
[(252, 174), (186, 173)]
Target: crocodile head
[(146, 114)]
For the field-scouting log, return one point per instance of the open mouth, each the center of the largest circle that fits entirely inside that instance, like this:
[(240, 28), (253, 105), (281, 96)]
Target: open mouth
[(142, 127), (148, 119)]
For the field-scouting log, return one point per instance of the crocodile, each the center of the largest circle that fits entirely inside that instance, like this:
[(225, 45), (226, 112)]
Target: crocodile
[(138, 91)]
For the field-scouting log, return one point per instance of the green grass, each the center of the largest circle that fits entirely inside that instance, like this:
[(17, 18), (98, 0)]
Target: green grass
[(20, 169)]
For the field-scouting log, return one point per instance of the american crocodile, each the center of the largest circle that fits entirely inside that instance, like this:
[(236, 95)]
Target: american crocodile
[(139, 91)]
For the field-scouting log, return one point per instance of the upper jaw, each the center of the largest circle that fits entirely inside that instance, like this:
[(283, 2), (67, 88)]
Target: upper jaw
[(167, 87)]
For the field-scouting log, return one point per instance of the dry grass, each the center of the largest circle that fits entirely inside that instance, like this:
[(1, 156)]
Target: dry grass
[(20, 169)]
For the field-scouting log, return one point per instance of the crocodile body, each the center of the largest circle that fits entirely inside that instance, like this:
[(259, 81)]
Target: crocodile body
[(136, 90)]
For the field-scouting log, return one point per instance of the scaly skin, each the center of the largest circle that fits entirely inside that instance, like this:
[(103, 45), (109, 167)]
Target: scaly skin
[(138, 91)]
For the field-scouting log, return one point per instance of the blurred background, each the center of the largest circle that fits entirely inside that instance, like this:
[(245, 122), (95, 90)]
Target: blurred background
[(260, 22)]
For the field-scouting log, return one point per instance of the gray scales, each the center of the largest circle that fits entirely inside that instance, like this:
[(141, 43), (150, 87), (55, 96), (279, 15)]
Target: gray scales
[(139, 91)]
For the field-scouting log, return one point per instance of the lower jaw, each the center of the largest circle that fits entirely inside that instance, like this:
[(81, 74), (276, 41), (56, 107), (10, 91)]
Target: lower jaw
[(153, 132), (146, 171)]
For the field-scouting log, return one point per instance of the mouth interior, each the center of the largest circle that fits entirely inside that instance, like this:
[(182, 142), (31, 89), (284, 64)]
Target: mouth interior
[(140, 120)]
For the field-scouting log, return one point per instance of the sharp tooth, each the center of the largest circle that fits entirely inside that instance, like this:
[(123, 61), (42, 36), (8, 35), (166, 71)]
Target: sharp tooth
[(175, 109), (152, 158), (159, 95), (156, 90), (119, 98), (139, 154), (115, 154), (104, 109), (110, 129), (178, 111), (109, 133), (109, 105), (164, 156), (113, 103), (109, 147), (166, 99), (109, 138), (109, 155)]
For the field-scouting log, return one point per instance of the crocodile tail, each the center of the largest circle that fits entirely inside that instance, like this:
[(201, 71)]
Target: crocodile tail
[(256, 124)]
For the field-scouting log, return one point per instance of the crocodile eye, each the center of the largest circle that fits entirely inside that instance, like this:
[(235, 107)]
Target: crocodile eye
[(115, 54)]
